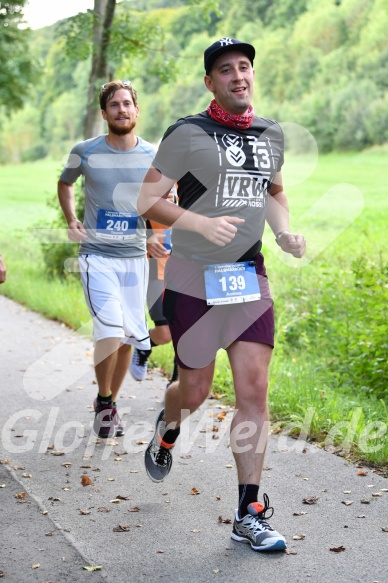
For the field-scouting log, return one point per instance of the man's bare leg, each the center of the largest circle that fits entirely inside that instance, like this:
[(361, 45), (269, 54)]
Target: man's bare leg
[(111, 360), (250, 363), (184, 396)]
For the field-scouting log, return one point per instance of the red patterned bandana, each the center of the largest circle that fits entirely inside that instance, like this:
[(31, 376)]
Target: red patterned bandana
[(242, 122)]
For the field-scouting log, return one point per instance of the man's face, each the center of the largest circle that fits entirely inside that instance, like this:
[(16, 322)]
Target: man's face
[(231, 82), (121, 113)]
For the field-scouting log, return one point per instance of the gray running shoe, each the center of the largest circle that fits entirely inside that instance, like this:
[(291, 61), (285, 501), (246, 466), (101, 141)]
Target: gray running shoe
[(255, 530), (158, 459), (138, 367)]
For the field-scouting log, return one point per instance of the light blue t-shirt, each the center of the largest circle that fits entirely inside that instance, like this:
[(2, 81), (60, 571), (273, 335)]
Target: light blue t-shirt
[(112, 183)]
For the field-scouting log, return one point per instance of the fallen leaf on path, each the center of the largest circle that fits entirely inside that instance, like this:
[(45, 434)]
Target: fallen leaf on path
[(120, 497), (347, 502), (134, 471), (20, 495), (375, 494), (111, 479), (361, 516), (92, 568), (195, 492), (66, 464), (384, 489), (299, 537), (224, 520), (337, 549), (140, 442), (195, 530), (134, 509), (311, 500), (118, 459), (290, 552), (84, 512), (115, 501), (218, 497), (103, 509), (299, 513), (50, 533), (221, 416), (384, 528), (121, 528), (58, 452), (36, 566), (25, 475), (229, 466), (365, 501), (347, 491), (85, 467), (160, 552), (216, 396), (362, 473), (216, 570), (18, 468), (86, 481)]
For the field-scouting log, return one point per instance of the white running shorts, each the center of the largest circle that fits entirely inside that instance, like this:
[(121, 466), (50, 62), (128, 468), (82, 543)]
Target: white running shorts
[(115, 292)]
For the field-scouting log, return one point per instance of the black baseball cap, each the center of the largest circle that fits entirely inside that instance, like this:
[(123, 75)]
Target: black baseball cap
[(223, 45)]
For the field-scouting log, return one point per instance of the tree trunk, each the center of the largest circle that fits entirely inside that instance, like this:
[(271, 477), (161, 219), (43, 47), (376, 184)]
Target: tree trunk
[(103, 14)]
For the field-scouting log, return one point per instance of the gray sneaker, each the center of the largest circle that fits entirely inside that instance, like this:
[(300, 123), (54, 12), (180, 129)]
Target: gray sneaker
[(138, 367), (255, 530), (158, 459)]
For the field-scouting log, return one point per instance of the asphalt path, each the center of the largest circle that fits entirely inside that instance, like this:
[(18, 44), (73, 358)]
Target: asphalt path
[(69, 500)]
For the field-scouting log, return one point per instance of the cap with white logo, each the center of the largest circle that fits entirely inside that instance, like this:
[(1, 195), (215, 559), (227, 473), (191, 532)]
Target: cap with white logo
[(223, 45)]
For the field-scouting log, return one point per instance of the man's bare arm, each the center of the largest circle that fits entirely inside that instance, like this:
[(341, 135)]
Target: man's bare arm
[(3, 270), (66, 198), (153, 204), (278, 220)]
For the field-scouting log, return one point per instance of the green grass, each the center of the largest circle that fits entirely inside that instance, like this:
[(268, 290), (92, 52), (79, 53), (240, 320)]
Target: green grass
[(24, 195), (304, 389)]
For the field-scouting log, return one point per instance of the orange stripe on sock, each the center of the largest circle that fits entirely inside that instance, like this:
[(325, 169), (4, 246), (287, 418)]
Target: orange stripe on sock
[(165, 444)]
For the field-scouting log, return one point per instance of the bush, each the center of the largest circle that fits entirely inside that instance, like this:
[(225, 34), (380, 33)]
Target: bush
[(349, 326), (36, 152), (54, 253)]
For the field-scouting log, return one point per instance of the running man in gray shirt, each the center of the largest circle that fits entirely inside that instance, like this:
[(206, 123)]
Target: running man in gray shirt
[(112, 253)]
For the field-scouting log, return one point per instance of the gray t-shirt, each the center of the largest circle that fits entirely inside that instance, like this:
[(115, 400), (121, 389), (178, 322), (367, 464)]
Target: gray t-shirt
[(112, 183), (221, 171)]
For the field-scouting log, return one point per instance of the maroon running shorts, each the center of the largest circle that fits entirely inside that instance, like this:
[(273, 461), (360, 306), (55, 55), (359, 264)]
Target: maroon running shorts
[(198, 331)]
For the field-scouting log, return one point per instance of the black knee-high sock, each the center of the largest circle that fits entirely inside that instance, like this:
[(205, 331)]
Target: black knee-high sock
[(247, 493)]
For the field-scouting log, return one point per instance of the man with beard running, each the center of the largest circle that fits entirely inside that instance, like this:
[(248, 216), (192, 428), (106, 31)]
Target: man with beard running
[(112, 254)]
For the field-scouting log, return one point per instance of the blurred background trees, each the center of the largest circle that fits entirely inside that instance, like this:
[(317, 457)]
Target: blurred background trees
[(320, 63)]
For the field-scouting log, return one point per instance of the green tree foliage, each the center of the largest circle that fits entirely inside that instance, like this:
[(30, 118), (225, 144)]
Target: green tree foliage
[(16, 70), (320, 63)]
